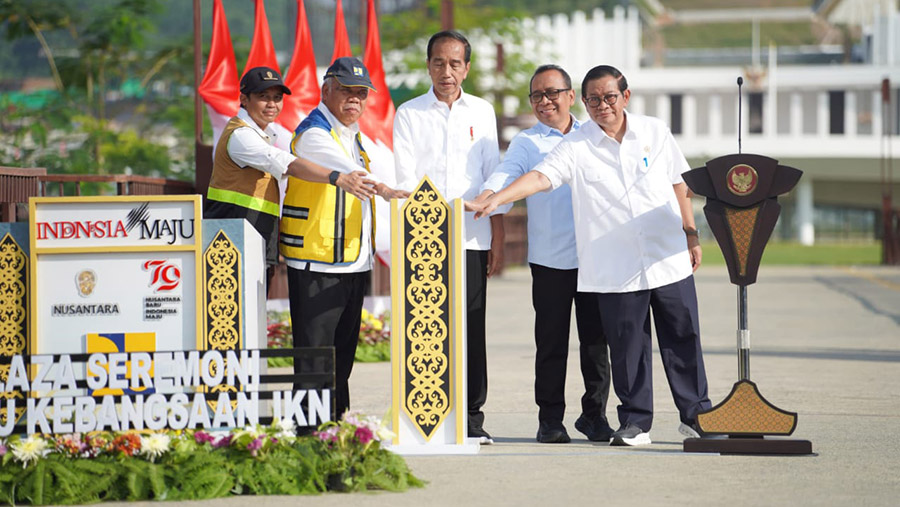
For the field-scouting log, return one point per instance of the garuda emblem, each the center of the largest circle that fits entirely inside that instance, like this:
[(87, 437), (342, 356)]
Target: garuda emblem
[(741, 179)]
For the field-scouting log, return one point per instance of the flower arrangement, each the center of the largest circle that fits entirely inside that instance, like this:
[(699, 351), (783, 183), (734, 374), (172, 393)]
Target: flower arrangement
[(374, 337), (196, 464), (347, 443)]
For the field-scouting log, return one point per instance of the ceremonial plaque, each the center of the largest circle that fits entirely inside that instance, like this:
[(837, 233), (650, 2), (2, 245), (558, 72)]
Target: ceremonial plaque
[(742, 208)]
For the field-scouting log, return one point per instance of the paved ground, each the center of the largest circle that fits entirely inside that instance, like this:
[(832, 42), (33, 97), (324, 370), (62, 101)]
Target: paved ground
[(825, 344)]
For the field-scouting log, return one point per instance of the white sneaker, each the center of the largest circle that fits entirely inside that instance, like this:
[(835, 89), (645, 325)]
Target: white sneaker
[(688, 431), (630, 436)]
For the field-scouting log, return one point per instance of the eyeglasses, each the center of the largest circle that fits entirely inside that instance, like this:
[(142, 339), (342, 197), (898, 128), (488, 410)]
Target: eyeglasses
[(610, 100), (537, 97)]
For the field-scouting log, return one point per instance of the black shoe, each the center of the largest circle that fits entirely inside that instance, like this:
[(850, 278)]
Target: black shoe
[(690, 430), (693, 430), (630, 435), (552, 433), (596, 429), (484, 438)]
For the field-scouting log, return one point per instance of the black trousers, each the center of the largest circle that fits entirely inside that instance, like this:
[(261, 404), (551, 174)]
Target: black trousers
[(326, 310), (626, 322), (552, 293), (476, 353)]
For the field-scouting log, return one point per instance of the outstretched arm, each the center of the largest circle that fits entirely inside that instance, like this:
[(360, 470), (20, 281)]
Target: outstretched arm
[(528, 184), (355, 183)]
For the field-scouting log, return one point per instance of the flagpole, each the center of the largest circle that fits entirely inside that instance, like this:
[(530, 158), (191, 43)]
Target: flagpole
[(198, 52), (447, 14)]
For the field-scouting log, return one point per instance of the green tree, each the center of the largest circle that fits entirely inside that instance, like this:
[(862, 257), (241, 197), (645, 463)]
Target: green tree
[(103, 52), (485, 24)]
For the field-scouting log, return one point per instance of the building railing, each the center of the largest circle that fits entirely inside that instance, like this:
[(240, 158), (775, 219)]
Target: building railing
[(18, 184)]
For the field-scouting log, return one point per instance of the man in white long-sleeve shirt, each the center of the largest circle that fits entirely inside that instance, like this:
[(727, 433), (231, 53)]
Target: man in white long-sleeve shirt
[(451, 137)]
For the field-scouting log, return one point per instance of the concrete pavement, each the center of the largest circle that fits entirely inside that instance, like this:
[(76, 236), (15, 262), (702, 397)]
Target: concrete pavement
[(825, 343)]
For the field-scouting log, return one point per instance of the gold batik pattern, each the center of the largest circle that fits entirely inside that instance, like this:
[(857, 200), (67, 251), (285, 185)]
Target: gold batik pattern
[(745, 411), (222, 280), (427, 344), (13, 315), (741, 222)]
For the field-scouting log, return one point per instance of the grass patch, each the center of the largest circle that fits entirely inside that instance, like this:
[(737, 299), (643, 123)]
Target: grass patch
[(794, 254), (735, 35), (731, 4)]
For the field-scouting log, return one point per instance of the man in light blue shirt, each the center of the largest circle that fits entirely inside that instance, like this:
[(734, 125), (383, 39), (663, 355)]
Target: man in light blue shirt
[(554, 269)]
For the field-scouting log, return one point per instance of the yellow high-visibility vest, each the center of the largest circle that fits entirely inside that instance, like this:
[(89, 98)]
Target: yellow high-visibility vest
[(319, 221)]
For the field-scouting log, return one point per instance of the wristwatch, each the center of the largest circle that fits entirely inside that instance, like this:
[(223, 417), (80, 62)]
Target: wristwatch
[(692, 232), (333, 177)]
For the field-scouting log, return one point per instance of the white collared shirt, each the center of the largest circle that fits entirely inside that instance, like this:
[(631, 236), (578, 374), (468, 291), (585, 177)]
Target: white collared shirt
[(551, 225), (627, 220), (456, 147), (318, 145), (253, 147)]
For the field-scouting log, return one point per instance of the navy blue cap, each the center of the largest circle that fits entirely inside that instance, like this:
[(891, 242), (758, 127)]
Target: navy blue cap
[(350, 71), (260, 79)]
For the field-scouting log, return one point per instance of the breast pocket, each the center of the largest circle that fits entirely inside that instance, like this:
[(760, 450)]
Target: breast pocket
[(601, 183)]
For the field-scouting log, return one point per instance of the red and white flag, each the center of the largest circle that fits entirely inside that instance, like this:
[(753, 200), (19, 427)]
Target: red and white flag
[(341, 39), (377, 126), (301, 76), (220, 87), (378, 122), (262, 54)]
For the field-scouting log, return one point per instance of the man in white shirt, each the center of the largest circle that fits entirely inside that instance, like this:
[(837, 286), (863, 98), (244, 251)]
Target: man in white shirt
[(451, 137), (637, 248), (554, 270), (247, 166), (327, 237)]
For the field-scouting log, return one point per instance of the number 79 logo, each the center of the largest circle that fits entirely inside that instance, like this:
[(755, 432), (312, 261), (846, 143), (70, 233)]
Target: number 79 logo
[(164, 276)]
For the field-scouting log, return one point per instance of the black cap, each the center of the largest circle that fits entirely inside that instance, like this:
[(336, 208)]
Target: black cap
[(349, 71), (259, 79)]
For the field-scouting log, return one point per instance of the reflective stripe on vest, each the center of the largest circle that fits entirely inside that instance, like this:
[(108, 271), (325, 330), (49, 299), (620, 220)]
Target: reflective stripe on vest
[(320, 222), (243, 187), (243, 200)]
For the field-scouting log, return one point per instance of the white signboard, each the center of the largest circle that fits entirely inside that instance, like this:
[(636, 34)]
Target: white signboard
[(118, 273)]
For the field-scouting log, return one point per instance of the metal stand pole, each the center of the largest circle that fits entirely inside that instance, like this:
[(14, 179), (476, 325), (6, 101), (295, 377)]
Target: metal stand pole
[(743, 335)]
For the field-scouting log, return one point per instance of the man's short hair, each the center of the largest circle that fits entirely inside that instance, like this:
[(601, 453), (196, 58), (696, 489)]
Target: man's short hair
[(450, 34), (602, 71), (548, 67)]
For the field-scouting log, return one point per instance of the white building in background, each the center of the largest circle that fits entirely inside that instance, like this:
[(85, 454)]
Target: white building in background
[(830, 120)]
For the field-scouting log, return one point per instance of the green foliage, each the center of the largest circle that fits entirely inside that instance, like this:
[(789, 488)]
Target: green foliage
[(284, 471), (91, 49), (58, 480), (485, 24), (126, 152), (402, 29), (194, 465), (375, 353)]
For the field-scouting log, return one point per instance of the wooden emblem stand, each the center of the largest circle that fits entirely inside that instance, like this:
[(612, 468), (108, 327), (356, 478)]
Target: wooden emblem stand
[(742, 207)]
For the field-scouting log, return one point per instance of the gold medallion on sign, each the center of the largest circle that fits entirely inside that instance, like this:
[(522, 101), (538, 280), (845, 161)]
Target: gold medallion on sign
[(741, 179), (86, 281)]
